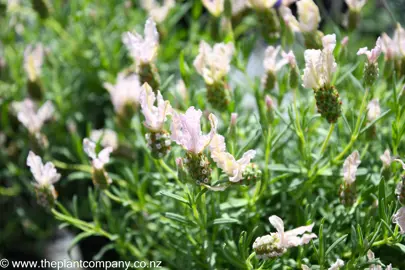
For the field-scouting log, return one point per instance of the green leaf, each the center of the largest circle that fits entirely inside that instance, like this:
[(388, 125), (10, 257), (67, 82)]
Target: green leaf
[(77, 239), (174, 196), (225, 221), (337, 242), (401, 247), (179, 218)]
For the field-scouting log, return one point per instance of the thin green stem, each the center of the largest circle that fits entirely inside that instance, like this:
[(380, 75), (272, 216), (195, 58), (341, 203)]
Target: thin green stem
[(73, 167), (325, 143)]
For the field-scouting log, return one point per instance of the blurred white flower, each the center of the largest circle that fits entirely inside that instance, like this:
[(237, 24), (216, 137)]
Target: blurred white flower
[(290, 58), (213, 63), (320, 65), (394, 48), (386, 158), (238, 6), (262, 4), (399, 219), (270, 62), (186, 130), (399, 40), (388, 47), (344, 41), (289, 18), (224, 160), (337, 265), (158, 11), (305, 267), (106, 138), (308, 15), (356, 5), (181, 89), (155, 116), (143, 49), (350, 166), (33, 60), (372, 56), (215, 7), (126, 91), (45, 175), (275, 244), (100, 159), (371, 257), (32, 118), (374, 110)]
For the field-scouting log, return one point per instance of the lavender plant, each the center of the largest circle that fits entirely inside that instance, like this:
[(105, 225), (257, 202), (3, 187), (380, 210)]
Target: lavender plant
[(127, 145)]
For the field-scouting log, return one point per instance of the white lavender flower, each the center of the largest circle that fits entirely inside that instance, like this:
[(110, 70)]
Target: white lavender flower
[(276, 244), (350, 166)]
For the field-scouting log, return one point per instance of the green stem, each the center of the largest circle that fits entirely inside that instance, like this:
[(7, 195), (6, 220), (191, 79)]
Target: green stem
[(325, 143)]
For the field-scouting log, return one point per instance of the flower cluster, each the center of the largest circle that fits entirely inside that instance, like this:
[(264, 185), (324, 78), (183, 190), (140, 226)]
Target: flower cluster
[(276, 244), (143, 50), (213, 64)]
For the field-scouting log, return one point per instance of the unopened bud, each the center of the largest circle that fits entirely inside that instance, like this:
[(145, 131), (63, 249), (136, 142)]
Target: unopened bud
[(313, 40), (347, 194), (198, 167), (251, 174), (234, 118), (269, 81), (370, 75), (270, 106), (46, 195), (41, 7), (400, 190), (328, 103), (148, 74), (35, 89), (159, 143), (218, 95), (100, 177), (267, 246), (353, 19)]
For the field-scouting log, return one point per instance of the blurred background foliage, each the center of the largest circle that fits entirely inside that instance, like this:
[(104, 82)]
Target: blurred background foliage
[(83, 50)]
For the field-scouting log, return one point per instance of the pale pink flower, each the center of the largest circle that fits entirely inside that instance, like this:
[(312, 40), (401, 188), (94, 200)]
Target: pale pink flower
[(156, 10), (213, 63), (399, 219), (215, 7), (374, 110), (344, 41), (234, 118), (186, 130), (98, 159), (356, 5), (155, 116), (33, 60), (320, 65), (282, 240), (372, 56), (31, 117), (143, 49), (290, 58), (106, 138), (44, 175), (308, 15), (337, 265), (350, 166), (289, 18), (224, 160), (270, 62), (386, 158), (270, 104), (126, 91)]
